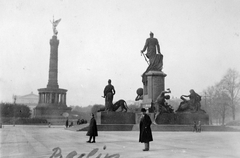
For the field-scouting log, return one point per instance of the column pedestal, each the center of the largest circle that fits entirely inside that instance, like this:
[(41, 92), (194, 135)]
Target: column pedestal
[(52, 103)]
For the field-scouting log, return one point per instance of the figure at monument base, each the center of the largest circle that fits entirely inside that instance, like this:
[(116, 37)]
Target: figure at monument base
[(108, 94), (139, 94), (187, 112), (161, 106), (191, 105)]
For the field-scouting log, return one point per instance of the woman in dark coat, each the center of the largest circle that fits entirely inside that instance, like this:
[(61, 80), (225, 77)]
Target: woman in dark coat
[(92, 131), (145, 130)]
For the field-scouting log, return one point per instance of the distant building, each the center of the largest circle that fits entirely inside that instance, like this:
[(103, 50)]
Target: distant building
[(31, 100)]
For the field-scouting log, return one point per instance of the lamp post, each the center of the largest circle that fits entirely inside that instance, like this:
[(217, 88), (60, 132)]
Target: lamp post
[(14, 108)]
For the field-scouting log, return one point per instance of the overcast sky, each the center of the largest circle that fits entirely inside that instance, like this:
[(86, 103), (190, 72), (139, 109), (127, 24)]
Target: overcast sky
[(102, 39)]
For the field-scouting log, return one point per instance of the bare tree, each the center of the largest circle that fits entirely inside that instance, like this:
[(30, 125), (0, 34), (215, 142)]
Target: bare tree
[(231, 84), (209, 102), (217, 103), (222, 101)]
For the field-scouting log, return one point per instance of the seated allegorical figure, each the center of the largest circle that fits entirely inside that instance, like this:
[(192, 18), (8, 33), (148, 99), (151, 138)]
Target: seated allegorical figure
[(191, 105)]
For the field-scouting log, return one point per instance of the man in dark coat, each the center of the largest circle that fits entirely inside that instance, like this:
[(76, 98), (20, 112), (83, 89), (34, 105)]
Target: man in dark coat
[(67, 123), (92, 131), (145, 129)]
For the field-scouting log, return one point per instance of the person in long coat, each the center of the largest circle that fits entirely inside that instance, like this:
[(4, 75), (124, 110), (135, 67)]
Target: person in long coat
[(145, 135), (67, 123), (92, 131)]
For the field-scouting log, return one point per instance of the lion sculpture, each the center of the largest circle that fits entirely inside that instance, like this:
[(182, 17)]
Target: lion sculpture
[(119, 104)]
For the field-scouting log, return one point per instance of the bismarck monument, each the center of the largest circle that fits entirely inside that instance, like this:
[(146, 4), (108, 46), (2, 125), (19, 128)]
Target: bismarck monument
[(52, 100), (153, 78), (154, 98)]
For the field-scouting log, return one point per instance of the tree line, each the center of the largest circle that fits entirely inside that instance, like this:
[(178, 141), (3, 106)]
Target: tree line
[(221, 100), (14, 110)]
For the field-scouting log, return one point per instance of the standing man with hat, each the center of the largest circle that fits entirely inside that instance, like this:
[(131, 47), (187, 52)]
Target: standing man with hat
[(145, 135), (92, 130)]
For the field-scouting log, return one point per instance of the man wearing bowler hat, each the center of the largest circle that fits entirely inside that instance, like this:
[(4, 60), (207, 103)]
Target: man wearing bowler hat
[(145, 129)]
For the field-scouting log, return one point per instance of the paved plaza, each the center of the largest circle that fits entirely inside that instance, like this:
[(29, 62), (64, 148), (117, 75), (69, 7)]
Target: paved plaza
[(44, 142)]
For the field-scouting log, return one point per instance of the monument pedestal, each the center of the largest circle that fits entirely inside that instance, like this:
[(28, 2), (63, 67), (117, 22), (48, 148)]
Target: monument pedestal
[(185, 118), (51, 105), (129, 121), (116, 118), (52, 114), (155, 85), (115, 121)]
